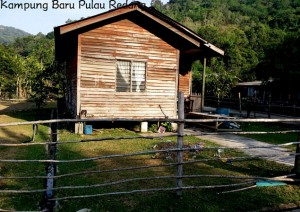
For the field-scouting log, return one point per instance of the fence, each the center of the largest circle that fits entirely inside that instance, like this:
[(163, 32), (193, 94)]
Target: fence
[(50, 191)]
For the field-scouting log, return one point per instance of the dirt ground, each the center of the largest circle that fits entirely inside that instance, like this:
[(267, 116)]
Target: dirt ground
[(280, 155), (9, 112), (15, 105)]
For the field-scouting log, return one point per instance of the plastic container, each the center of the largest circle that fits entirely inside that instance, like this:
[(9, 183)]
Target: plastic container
[(88, 129), (222, 111)]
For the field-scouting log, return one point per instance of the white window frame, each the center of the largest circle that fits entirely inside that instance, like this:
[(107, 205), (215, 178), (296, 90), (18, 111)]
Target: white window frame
[(130, 83)]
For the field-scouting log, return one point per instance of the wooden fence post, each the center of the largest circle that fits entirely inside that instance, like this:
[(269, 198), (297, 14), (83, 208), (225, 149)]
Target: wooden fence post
[(180, 134), (51, 167), (203, 85), (34, 131), (269, 106), (297, 159), (240, 104)]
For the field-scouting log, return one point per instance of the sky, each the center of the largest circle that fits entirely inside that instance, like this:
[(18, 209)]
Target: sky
[(34, 16)]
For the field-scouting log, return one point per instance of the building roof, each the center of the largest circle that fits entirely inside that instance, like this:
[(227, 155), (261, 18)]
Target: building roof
[(252, 83), (149, 18)]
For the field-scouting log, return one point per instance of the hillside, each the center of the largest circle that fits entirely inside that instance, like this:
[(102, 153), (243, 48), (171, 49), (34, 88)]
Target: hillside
[(261, 40), (9, 34)]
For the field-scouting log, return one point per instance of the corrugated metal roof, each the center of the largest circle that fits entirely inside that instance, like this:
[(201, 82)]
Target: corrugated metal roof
[(140, 10), (253, 83)]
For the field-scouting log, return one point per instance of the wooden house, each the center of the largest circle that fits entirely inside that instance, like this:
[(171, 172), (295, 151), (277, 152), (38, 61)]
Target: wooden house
[(128, 62)]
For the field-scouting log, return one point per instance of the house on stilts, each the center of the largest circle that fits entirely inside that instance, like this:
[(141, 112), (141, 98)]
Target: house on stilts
[(129, 62)]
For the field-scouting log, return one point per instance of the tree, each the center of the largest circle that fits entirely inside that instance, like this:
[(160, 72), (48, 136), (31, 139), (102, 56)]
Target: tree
[(40, 61), (246, 30), (7, 80), (219, 81), (281, 65), (156, 3), (30, 70), (13, 74)]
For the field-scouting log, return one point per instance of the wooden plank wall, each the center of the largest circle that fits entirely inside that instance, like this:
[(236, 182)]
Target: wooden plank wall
[(100, 49), (185, 83), (71, 67)]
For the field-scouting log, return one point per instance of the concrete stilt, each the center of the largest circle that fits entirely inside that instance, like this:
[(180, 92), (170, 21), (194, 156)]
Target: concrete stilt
[(79, 128), (144, 127)]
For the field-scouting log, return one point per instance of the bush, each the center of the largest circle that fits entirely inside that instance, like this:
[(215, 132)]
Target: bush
[(168, 126), (153, 128)]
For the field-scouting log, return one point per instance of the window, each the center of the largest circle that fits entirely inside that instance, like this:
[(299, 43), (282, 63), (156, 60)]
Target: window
[(131, 76)]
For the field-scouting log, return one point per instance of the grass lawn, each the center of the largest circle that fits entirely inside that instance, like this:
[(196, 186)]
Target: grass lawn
[(272, 138), (191, 200), (15, 135)]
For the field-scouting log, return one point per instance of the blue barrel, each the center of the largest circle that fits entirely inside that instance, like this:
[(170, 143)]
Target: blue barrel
[(222, 111), (88, 129)]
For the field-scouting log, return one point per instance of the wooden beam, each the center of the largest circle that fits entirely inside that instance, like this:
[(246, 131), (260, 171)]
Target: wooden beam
[(297, 159), (179, 171), (92, 20), (214, 48), (194, 41), (203, 85), (78, 107), (177, 82)]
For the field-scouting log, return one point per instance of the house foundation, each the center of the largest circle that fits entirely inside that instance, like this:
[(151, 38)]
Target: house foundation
[(144, 127), (79, 128)]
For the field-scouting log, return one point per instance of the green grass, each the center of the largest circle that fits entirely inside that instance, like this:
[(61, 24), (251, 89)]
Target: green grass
[(192, 200), (15, 135), (272, 138)]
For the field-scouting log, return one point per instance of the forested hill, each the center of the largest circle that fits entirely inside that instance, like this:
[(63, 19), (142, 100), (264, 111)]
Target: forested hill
[(9, 34), (260, 38)]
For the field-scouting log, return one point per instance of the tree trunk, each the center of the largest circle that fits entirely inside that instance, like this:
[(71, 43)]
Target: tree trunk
[(17, 86)]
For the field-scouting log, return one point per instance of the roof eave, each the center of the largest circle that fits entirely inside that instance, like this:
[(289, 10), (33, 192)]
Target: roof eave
[(154, 15), (214, 48), (63, 29)]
